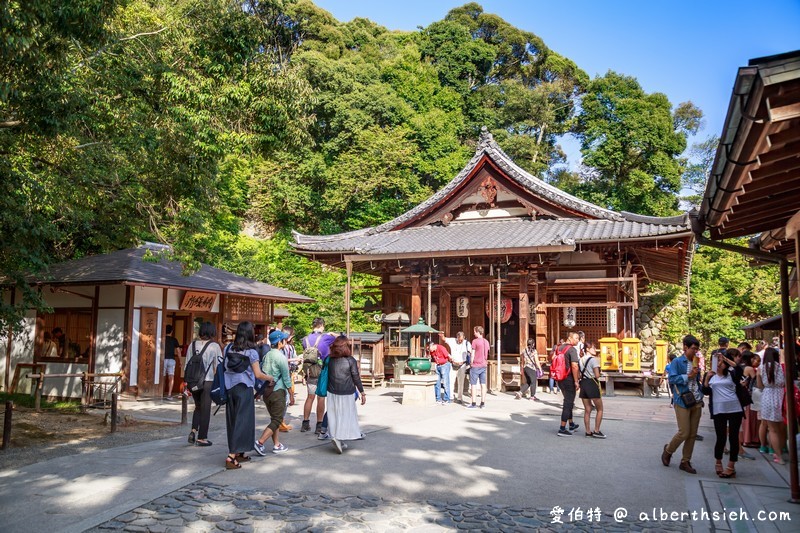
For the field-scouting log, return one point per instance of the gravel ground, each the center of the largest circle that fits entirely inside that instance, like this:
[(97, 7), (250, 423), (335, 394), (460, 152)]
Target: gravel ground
[(96, 437)]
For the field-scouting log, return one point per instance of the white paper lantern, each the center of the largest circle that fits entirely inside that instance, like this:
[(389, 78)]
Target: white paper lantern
[(569, 317), (462, 306)]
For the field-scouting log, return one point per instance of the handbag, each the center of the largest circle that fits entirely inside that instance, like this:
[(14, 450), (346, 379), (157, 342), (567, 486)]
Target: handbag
[(322, 381), (687, 398)]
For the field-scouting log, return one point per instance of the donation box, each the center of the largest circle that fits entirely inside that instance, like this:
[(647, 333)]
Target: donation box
[(631, 355), (609, 353), (661, 358)]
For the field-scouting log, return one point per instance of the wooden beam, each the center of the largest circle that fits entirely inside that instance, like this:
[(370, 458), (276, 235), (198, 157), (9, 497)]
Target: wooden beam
[(595, 280), (785, 136), (786, 151), (779, 184), (587, 304), (779, 167), (416, 299)]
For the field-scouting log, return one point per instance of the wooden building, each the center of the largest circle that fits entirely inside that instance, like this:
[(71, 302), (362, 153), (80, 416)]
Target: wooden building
[(114, 310), (496, 233), (754, 189)]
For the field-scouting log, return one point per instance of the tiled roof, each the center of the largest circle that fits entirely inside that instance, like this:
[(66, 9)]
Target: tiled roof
[(387, 239), (490, 235), (130, 266)]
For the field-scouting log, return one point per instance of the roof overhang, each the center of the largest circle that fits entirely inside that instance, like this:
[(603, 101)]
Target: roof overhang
[(754, 184)]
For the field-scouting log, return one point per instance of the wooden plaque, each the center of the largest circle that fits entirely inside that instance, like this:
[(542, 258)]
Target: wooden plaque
[(148, 332), (198, 301)]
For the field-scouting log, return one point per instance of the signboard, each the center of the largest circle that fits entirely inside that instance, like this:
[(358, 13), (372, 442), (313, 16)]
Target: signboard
[(569, 317), (462, 306), (198, 301), (148, 325), (612, 321), (241, 308)]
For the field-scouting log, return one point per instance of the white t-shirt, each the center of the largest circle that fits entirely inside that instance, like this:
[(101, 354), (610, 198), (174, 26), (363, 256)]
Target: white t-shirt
[(458, 352), (587, 365), (210, 357)]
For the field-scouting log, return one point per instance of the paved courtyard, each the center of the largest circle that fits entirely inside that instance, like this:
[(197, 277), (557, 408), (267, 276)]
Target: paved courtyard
[(431, 468)]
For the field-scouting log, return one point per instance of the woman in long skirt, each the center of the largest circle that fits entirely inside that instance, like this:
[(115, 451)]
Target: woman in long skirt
[(343, 382), (210, 352), (241, 371)]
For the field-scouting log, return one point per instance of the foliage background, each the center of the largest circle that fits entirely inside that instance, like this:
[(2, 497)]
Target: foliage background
[(219, 126)]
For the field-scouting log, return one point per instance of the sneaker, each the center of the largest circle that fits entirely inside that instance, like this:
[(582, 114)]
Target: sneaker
[(280, 448), (323, 436), (483, 405), (763, 449), (563, 432), (517, 396), (534, 399), (745, 455), (472, 406), (573, 427), (344, 445), (318, 428), (698, 437), (305, 427), (598, 435), (259, 448), (337, 445)]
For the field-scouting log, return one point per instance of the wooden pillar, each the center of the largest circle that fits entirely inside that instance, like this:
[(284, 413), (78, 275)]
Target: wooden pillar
[(10, 344), (163, 348), (444, 312), (93, 333), (790, 354), (347, 289), (127, 344), (416, 299), (524, 320), (541, 320)]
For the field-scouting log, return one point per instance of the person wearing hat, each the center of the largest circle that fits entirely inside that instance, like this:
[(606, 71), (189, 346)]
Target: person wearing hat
[(275, 365)]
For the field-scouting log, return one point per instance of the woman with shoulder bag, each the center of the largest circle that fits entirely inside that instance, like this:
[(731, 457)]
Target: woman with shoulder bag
[(343, 382), (531, 370), (589, 368), (726, 409), (210, 352), (241, 372), (772, 380)]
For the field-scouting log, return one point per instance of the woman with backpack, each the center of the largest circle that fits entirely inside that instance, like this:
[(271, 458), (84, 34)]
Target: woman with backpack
[(343, 382), (240, 362), (199, 375), (589, 371)]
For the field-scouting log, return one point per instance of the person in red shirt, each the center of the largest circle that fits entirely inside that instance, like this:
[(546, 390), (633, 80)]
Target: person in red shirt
[(441, 357)]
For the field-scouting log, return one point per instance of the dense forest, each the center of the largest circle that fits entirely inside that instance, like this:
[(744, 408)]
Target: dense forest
[(218, 126)]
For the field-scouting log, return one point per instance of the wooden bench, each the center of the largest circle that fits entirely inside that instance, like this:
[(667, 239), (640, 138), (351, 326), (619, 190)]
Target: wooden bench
[(648, 382)]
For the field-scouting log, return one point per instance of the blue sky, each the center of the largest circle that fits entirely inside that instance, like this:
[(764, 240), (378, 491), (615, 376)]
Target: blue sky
[(689, 50)]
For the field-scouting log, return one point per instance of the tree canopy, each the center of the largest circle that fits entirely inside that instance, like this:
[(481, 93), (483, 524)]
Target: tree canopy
[(218, 126)]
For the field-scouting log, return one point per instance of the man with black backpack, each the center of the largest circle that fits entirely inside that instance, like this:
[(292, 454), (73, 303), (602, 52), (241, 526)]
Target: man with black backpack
[(565, 371)]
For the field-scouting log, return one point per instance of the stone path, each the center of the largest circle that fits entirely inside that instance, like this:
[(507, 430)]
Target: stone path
[(210, 507)]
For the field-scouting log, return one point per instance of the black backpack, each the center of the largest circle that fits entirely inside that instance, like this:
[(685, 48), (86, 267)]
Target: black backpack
[(195, 373)]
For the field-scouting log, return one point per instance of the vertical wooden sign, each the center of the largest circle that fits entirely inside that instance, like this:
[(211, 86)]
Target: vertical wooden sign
[(148, 328)]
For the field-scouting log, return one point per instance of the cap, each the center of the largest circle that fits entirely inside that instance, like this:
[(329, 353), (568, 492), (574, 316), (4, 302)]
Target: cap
[(724, 340), (277, 336)]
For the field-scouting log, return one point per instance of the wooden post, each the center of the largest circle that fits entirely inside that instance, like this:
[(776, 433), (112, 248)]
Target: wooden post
[(113, 412), (184, 409), (10, 343), (7, 424), (444, 312), (127, 348), (416, 299), (162, 346), (347, 289), (789, 359), (37, 401), (524, 320), (499, 332), (541, 321), (430, 292)]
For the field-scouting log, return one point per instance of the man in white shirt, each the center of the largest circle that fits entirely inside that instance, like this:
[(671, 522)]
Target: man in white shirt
[(460, 348)]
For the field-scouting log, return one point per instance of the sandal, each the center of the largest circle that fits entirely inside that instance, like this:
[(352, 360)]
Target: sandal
[(777, 459), (242, 458), (728, 473), (231, 463), (719, 468)]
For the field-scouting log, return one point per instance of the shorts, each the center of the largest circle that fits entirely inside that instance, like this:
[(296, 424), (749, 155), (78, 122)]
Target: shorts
[(169, 367), (590, 389), (476, 375), (311, 388)]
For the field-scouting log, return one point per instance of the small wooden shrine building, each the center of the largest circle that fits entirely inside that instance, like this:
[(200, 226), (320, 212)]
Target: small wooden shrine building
[(496, 233), (114, 309)]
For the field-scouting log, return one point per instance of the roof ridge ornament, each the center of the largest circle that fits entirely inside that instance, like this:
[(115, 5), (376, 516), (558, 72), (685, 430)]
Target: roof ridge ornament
[(486, 138)]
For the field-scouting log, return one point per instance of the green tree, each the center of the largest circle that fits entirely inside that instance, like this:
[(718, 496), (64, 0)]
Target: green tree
[(633, 141)]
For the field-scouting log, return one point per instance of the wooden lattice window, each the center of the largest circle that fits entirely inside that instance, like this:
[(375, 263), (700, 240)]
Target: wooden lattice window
[(592, 321), (456, 323)]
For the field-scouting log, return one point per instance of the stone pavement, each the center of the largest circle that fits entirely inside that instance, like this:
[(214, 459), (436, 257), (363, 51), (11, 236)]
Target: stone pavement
[(422, 468)]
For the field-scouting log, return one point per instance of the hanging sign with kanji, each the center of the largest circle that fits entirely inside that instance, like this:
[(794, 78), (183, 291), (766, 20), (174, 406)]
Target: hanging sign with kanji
[(198, 301)]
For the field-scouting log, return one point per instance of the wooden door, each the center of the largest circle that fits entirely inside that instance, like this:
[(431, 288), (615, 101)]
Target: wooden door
[(148, 332), (477, 316), (181, 330)]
